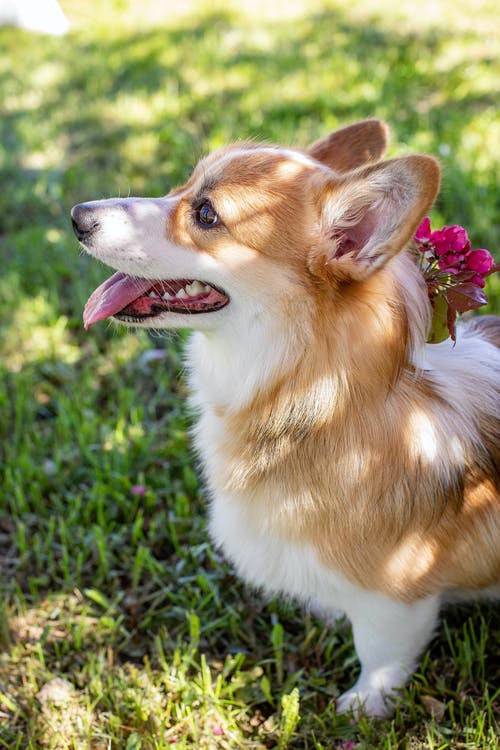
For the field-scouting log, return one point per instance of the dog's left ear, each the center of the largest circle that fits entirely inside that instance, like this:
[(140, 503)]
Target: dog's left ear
[(365, 218), (354, 146)]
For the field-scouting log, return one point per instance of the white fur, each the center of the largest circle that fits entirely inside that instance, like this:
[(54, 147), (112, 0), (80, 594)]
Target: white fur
[(458, 368), (289, 155), (388, 635), (221, 362), (132, 238)]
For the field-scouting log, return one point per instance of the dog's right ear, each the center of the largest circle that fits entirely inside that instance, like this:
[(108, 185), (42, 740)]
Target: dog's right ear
[(354, 146)]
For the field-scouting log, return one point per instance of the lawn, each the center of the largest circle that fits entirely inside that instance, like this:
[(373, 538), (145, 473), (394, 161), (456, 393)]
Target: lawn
[(121, 627)]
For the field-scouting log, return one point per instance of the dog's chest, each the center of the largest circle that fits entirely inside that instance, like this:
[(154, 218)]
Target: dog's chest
[(251, 527), (265, 560)]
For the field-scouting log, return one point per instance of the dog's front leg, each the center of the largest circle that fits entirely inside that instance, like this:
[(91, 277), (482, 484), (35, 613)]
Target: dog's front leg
[(389, 637)]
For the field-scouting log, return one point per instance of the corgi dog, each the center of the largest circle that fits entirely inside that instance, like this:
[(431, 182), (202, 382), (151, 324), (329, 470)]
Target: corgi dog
[(349, 464)]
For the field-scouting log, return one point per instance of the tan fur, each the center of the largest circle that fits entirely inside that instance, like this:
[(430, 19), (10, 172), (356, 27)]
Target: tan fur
[(350, 147)]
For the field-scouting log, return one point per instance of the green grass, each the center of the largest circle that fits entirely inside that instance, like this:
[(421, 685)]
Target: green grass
[(120, 626)]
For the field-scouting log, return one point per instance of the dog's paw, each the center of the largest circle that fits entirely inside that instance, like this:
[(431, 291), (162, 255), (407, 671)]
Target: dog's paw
[(370, 703)]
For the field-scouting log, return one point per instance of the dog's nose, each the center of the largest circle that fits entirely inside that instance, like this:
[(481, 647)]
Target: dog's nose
[(84, 220)]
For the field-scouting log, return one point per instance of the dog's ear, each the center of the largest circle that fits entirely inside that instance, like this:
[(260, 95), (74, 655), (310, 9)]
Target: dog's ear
[(354, 146), (367, 217)]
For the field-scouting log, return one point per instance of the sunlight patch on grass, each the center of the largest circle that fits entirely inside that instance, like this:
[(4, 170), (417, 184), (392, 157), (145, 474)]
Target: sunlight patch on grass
[(479, 142), (64, 715), (171, 12), (464, 15), (27, 100), (480, 49), (136, 109), (140, 147), (35, 332), (123, 347), (458, 15), (48, 157), (50, 73), (122, 435)]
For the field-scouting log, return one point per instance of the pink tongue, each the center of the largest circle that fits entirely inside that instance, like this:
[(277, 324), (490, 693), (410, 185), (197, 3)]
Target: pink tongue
[(112, 296)]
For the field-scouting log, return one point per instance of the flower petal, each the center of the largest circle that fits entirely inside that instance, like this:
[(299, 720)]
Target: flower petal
[(480, 261)]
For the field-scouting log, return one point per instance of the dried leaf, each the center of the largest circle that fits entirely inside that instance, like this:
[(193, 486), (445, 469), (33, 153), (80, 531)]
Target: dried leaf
[(451, 319), (57, 691), (434, 707)]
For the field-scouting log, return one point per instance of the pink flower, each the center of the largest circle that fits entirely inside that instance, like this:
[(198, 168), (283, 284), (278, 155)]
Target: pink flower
[(458, 239), (451, 239), (423, 233), (450, 262), (480, 261), (138, 489), (454, 274)]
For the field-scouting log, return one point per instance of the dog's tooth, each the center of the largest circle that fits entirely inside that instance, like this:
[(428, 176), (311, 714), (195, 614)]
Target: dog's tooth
[(195, 288), (167, 295), (207, 288), (182, 294)]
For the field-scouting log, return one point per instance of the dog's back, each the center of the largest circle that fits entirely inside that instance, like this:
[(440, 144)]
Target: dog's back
[(486, 327)]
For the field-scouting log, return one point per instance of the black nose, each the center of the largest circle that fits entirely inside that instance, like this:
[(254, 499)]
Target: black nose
[(84, 220)]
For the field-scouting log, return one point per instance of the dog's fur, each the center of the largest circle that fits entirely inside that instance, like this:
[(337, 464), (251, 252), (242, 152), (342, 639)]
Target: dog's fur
[(349, 464)]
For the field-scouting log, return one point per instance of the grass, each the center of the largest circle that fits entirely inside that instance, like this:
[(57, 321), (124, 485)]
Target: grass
[(120, 626)]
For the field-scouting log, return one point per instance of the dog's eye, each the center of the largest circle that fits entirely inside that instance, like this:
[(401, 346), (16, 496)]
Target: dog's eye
[(206, 215)]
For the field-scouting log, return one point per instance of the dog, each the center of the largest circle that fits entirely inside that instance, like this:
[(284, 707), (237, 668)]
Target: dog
[(349, 464)]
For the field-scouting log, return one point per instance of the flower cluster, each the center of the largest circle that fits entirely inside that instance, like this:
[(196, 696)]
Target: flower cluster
[(454, 274)]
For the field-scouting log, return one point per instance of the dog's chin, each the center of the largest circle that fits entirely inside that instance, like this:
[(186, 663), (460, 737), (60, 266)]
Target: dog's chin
[(162, 316)]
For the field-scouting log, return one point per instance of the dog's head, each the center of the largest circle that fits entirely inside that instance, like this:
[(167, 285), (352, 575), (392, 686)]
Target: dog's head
[(256, 222)]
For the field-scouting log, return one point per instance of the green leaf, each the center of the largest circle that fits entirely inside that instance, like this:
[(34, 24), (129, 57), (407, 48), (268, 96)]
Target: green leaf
[(277, 639), (98, 598), (134, 742), (7, 702), (289, 718), (194, 629), (265, 686), (440, 330)]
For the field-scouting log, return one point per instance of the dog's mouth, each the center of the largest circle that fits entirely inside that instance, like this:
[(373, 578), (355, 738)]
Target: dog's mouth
[(136, 300)]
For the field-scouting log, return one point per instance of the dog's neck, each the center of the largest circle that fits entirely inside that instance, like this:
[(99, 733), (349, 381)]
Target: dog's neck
[(353, 349), (229, 366)]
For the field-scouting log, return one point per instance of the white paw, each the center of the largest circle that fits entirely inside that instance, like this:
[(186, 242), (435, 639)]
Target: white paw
[(371, 703)]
